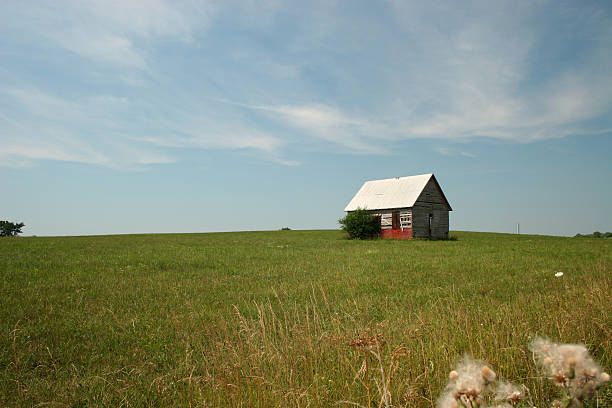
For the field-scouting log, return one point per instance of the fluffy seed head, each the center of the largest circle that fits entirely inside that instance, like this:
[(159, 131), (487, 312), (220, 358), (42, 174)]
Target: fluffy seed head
[(605, 377), (488, 374), (447, 401), (509, 393), (569, 366), (467, 382), (470, 376)]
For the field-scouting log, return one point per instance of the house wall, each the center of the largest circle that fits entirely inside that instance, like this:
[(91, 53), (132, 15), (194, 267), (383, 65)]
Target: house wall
[(430, 202), (388, 232), (391, 211)]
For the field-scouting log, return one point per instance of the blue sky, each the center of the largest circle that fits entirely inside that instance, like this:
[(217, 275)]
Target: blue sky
[(167, 116)]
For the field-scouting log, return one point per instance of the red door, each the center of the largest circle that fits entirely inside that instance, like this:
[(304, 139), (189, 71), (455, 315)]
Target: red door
[(395, 220)]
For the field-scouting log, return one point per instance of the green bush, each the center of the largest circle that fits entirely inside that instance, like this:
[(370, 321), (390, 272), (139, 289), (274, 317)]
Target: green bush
[(360, 224)]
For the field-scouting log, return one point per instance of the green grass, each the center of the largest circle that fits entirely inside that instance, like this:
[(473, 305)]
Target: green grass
[(263, 319)]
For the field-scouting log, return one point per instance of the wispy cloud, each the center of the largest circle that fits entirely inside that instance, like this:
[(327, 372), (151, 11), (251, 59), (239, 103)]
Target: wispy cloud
[(464, 77), (332, 125), (450, 151), (94, 131), (206, 138), (73, 131), (153, 78), (485, 81), (28, 151), (113, 31), (102, 46)]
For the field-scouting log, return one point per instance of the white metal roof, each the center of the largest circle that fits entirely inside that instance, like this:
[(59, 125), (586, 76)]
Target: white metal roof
[(398, 192)]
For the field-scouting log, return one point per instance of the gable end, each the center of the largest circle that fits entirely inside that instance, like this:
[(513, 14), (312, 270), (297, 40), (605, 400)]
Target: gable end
[(433, 184)]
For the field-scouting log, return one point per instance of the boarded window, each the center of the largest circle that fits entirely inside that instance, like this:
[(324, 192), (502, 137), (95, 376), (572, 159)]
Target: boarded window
[(385, 221)]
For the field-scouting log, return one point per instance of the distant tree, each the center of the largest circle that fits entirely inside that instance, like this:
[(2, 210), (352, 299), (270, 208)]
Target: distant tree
[(578, 235), (596, 234), (10, 229), (360, 224)]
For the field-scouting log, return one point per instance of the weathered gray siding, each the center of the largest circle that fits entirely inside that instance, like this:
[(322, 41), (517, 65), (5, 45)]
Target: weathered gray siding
[(430, 202)]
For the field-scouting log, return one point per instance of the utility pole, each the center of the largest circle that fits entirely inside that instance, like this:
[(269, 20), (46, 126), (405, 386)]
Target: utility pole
[(518, 228)]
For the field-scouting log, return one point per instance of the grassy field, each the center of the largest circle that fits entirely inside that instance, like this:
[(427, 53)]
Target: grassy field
[(264, 319)]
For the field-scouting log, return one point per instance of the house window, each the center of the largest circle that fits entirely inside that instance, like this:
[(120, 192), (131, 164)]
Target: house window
[(405, 220)]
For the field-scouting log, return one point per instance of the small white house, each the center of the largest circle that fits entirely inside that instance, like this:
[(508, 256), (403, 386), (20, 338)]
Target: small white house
[(412, 206)]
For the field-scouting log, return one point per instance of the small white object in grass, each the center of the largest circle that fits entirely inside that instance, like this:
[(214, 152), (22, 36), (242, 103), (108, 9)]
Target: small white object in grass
[(558, 274)]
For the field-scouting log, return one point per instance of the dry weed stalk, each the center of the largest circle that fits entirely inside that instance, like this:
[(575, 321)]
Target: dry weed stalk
[(372, 345)]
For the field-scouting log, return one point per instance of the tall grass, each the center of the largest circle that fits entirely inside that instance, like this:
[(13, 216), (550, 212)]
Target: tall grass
[(274, 319)]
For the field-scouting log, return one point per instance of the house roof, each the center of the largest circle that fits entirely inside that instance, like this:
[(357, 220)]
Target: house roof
[(398, 192)]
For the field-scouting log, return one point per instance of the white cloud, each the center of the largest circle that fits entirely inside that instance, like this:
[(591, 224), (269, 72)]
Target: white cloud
[(25, 152), (109, 30), (474, 72), (102, 46), (467, 72), (73, 131), (213, 139), (332, 125), (91, 131), (312, 116), (285, 162), (331, 77), (449, 151), (28, 152)]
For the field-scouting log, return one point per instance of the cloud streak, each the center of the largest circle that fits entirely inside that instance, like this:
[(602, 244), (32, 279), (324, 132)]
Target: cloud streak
[(115, 31), (151, 79), (93, 131)]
